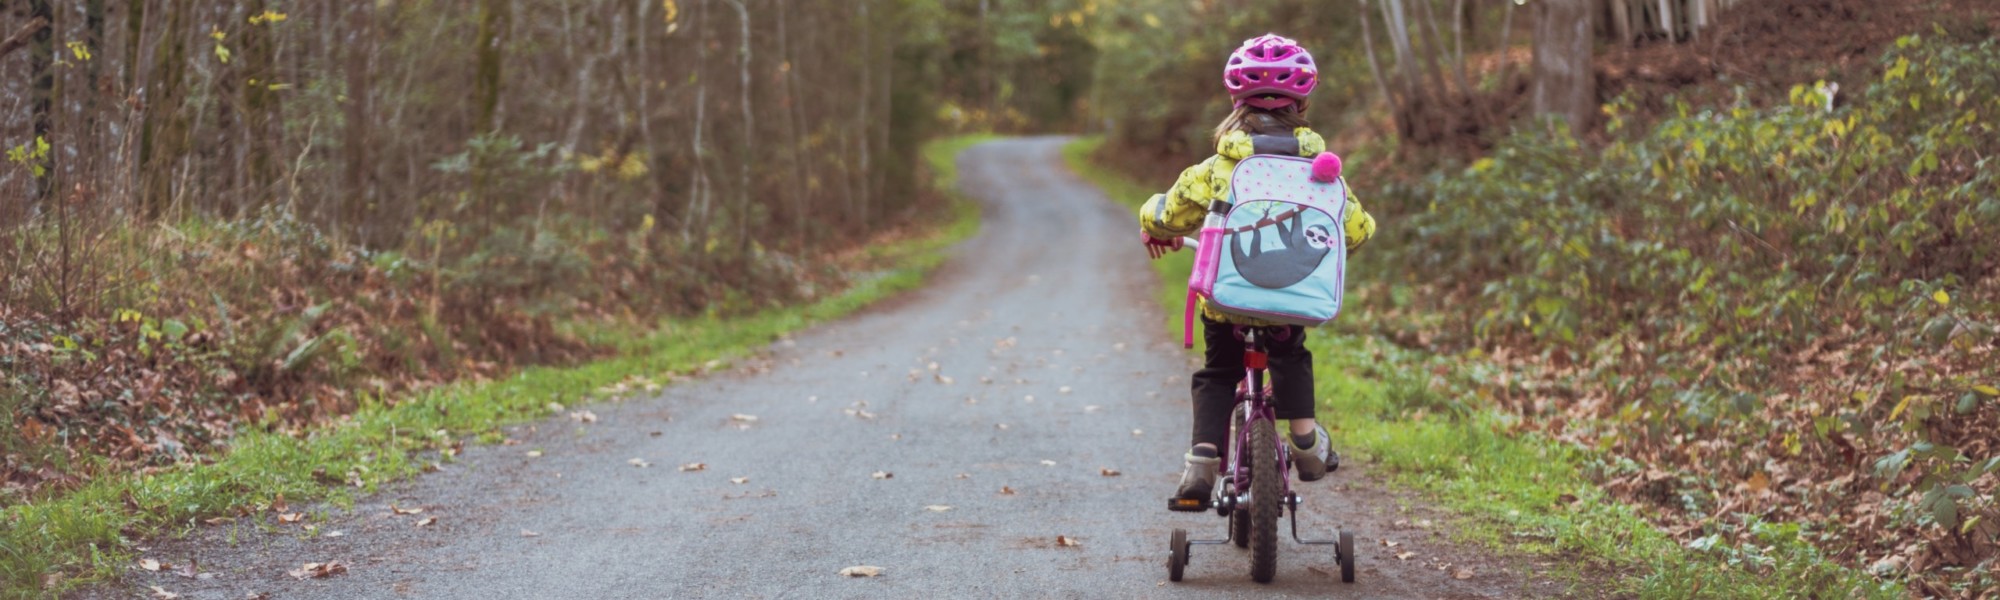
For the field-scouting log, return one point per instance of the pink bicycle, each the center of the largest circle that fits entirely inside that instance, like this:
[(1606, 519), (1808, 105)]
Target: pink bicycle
[(1256, 484)]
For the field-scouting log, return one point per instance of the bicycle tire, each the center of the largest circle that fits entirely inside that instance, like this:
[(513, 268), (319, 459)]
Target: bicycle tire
[(1264, 506)]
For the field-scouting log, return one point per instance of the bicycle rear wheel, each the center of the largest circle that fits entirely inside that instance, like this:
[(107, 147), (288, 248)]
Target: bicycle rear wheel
[(1264, 506)]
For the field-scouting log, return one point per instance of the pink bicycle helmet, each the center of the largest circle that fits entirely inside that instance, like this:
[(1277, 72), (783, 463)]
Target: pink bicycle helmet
[(1270, 72)]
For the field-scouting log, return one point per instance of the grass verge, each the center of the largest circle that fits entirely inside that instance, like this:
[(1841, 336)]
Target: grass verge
[(1510, 488), (50, 546)]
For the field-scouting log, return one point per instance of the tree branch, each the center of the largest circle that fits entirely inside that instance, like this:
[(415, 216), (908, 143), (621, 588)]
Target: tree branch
[(20, 38)]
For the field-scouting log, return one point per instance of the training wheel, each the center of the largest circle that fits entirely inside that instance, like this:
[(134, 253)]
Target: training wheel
[(1347, 557), (1177, 558)]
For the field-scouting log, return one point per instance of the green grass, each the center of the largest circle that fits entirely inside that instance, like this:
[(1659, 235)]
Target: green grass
[(83, 536), (1521, 492)]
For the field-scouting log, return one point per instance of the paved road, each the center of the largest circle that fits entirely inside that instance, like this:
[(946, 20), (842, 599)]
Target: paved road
[(996, 398)]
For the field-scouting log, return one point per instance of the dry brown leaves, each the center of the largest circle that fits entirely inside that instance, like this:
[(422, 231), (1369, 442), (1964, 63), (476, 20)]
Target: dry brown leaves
[(317, 570)]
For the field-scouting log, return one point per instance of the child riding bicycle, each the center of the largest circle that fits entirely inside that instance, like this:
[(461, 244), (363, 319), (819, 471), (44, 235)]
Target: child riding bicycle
[(1268, 78)]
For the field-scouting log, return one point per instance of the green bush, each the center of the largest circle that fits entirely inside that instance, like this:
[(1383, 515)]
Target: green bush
[(1811, 285)]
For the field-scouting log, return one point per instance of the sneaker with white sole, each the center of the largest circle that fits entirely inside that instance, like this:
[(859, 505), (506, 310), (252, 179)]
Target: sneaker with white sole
[(1315, 461), (1198, 481)]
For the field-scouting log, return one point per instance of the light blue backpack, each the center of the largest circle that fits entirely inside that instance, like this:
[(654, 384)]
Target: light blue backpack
[(1277, 249)]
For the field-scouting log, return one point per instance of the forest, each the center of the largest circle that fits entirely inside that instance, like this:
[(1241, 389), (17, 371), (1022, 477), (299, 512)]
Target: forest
[(1741, 252)]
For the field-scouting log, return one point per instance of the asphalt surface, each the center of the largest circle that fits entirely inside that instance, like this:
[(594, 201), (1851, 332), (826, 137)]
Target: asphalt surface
[(994, 400)]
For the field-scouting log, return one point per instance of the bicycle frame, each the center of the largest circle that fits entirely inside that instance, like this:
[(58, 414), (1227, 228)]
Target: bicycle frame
[(1257, 407)]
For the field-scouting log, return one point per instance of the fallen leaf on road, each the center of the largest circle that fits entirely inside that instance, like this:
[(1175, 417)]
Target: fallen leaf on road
[(152, 565), (1028, 398), (743, 418), (964, 476), (1120, 346), (291, 517), (1000, 426), (1063, 389), (333, 534), (1108, 472), (187, 571), (933, 366), (1138, 432), (317, 570), (739, 480), (1092, 408), (1048, 463), (1067, 542), (944, 379), (426, 521), (583, 416), (882, 475), (1391, 543), (534, 454), (257, 596), (555, 407), (404, 511), (861, 571), (526, 533), (1462, 573), (278, 503), (937, 508), (1006, 491), (985, 379), (694, 467), (1405, 555), (638, 462), (163, 594)]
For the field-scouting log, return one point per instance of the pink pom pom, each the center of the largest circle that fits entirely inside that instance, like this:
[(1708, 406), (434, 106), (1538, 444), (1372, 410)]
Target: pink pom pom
[(1326, 167)]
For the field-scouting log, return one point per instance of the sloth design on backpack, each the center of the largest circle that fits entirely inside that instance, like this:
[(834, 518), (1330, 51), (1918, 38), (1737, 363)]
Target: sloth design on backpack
[(1302, 249)]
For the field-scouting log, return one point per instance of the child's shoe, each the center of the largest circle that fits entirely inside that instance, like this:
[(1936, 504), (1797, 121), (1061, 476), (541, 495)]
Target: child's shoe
[(1316, 460), (1198, 481)]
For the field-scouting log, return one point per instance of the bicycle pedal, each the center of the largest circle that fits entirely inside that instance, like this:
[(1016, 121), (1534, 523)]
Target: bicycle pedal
[(1187, 505)]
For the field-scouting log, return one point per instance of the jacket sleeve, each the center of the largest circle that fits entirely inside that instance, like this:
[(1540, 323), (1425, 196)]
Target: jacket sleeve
[(1180, 211), (1360, 224)]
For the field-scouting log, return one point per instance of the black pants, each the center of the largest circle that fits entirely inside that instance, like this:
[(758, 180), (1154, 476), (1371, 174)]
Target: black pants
[(1290, 366)]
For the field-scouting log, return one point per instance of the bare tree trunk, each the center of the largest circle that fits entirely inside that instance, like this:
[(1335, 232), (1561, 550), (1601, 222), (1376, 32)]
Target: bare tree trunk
[(1436, 48), (701, 183), (263, 123), (360, 172), (1375, 68), (1564, 85), (1399, 42), (494, 19), (1458, 38), (789, 101), (163, 133), (1667, 20), (43, 92), (861, 116), (1621, 20), (749, 131), (1506, 41)]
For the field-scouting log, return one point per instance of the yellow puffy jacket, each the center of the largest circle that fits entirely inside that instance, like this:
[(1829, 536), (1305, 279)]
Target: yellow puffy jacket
[(1179, 212)]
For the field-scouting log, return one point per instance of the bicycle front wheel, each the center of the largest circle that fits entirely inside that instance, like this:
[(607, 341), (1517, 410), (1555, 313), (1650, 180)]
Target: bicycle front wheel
[(1265, 487)]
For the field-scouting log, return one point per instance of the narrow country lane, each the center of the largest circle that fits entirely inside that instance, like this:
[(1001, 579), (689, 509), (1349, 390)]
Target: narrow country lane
[(996, 397)]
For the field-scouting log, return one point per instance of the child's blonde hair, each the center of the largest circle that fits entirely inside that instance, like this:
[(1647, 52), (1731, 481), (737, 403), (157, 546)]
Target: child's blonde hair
[(1250, 119)]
